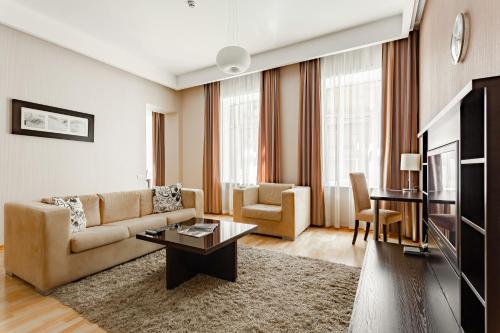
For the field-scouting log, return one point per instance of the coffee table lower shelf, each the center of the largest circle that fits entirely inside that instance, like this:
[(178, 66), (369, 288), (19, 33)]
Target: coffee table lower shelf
[(215, 254), (182, 265)]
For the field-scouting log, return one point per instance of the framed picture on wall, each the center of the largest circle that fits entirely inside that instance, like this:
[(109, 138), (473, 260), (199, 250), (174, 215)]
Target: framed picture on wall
[(50, 122)]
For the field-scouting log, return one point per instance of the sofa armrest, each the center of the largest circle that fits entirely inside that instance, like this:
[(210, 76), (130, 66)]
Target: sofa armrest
[(193, 198), (243, 197), (37, 241), (296, 210)]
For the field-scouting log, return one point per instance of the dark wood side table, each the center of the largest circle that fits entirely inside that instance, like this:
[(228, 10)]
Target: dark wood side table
[(395, 195)]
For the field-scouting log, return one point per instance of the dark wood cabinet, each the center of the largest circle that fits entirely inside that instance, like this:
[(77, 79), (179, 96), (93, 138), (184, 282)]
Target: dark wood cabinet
[(479, 198), (480, 195)]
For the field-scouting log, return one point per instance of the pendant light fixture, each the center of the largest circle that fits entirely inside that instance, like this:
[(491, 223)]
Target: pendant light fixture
[(233, 59)]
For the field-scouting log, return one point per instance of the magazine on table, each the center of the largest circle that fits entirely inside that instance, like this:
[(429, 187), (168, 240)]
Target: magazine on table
[(199, 229)]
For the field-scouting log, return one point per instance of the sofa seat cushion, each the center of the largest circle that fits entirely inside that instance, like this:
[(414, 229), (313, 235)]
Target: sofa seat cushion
[(97, 236), (141, 224), (270, 193), (180, 215), (262, 212)]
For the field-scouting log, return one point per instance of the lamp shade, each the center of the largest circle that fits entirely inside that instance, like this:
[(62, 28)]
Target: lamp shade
[(410, 162), (233, 59)]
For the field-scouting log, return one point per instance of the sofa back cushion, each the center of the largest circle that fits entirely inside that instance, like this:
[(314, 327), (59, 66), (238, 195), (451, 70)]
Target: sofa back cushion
[(118, 206), (90, 203), (270, 194), (146, 201)]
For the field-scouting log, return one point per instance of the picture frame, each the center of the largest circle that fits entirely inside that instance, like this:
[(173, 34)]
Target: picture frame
[(40, 120)]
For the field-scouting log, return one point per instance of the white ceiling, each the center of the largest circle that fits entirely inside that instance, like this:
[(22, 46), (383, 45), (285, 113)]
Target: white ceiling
[(167, 42)]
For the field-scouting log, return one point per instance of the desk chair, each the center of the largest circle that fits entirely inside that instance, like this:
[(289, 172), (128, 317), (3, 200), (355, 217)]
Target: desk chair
[(364, 211)]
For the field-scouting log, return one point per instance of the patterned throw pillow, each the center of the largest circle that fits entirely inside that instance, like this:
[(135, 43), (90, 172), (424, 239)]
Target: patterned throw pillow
[(76, 213), (167, 198)]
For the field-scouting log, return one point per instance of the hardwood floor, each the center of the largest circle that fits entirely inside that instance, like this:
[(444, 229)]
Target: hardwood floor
[(22, 309)]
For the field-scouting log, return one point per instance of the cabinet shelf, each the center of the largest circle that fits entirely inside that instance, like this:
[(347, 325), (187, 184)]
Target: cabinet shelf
[(481, 160), (472, 309), (472, 193), (472, 127), (472, 264), (473, 225), (473, 289)]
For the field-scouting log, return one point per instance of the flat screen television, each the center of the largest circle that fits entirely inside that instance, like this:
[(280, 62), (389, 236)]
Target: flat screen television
[(443, 197)]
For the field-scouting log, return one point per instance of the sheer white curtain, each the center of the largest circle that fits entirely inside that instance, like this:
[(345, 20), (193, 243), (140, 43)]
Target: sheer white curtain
[(351, 123), (240, 106)]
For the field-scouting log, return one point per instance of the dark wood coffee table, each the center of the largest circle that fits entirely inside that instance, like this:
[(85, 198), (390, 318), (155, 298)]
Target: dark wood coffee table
[(214, 254)]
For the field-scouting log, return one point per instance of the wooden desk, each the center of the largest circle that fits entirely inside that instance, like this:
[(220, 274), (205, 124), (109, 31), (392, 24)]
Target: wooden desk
[(399, 293), (395, 195)]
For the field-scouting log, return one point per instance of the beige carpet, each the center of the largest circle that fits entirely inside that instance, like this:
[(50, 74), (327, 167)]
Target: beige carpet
[(274, 292)]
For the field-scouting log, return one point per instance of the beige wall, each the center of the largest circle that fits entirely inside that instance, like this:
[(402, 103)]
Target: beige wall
[(290, 106), (40, 72), (440, 80), (192, 106), (172, 145)]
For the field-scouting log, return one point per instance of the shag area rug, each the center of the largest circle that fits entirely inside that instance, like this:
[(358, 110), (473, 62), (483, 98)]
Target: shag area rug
[(275, 292)]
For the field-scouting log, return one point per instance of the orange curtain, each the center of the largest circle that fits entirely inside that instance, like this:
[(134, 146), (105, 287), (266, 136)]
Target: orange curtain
[(211, 150), (310, 137), (158, 149), (269, 164), (399, 118)]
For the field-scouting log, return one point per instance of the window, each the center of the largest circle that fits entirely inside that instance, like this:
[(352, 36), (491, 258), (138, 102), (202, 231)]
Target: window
[(351, 124), (239, 134)]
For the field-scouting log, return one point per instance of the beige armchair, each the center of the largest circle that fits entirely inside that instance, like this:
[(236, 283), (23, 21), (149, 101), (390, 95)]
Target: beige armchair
[(364, 211), (281, 210)]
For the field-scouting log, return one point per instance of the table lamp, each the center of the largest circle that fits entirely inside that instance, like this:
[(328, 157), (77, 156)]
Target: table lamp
[(410, 162)]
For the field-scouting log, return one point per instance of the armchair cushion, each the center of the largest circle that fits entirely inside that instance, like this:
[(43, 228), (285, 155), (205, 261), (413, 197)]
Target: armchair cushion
[(263, 212), (270, 194)]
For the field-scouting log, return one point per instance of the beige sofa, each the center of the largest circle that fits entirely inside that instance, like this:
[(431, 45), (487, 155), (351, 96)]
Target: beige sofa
[(281, 210), (40, 249)]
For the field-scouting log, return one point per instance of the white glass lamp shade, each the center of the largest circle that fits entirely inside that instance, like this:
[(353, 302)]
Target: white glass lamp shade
[(410, 162), (233, 59)]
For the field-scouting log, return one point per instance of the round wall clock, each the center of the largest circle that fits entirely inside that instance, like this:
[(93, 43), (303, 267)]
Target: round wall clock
[(458, 38)]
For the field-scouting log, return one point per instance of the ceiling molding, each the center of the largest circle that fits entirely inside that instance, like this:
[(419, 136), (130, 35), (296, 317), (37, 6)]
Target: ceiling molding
[(363, 35), (27, 20), (31, 22), (409, 15), (420, 13)]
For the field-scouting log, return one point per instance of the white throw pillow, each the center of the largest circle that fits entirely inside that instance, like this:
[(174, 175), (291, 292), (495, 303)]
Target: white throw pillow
[(167, 198), (76, 213)]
